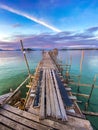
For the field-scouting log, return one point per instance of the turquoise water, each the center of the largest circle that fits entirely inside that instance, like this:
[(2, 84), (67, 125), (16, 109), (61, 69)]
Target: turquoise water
[(13, 71), (89, 70)]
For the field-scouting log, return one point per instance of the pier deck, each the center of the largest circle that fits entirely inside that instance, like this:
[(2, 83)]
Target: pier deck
[(49, 105)]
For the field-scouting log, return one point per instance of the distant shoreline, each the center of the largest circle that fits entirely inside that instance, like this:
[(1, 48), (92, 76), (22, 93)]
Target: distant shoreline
[(79, 49), (50, 49)]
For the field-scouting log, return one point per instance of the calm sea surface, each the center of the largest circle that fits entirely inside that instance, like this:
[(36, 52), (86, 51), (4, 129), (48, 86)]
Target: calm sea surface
[(13, 71)]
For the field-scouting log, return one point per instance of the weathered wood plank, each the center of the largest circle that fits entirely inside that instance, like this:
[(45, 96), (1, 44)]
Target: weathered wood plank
[(48, 97), (63, 112), (55, 100), (5, 95), (70, 125), (23, 121), (82, 95), (3, 127), (42, 104), (90, 113), (72, 97), (14, 125), (51, 95), (68, 88)]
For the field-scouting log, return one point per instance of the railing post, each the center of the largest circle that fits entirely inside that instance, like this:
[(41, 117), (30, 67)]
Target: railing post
[(25, 57)]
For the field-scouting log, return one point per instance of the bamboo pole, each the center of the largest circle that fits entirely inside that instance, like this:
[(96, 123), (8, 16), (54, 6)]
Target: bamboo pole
[(90, 94), (82, 95), (8, 99), (81, 62), (90, 113), (25, 57)]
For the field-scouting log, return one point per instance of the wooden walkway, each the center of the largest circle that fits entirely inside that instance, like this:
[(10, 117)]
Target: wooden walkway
[(50, 104)]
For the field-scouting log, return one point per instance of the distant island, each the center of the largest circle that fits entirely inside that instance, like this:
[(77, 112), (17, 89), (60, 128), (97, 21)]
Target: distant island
[(40, 49), (25, 49)]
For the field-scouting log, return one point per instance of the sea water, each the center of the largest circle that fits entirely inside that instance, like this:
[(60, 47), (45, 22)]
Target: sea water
[(88, 71), (13, 71)]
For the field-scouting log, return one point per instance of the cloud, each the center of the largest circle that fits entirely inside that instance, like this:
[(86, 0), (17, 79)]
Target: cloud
[(16, 25), (59, 40), (92, 29), (29, 17)]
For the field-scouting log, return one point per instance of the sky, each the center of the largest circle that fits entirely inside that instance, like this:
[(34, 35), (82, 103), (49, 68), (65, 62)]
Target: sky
[(48, 23)]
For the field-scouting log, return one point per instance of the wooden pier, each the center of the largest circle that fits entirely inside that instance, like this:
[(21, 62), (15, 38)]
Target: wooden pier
[(49, 104)]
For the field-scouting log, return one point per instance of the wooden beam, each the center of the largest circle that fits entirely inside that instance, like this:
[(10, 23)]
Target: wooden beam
[(82, 95), (23, 121), (72, 97), (4, 127), (13, 125), (57, 113), (68, 88), (90, 113), (42, 104), (61, 105), (48, 96), (71, 124), (11, 96)]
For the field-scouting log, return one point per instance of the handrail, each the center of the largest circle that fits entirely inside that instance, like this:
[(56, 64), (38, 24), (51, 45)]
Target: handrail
[(15, 91)]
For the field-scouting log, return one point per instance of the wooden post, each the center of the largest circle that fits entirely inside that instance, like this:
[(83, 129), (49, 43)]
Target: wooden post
[(25, 57), (81, 62), (90, 94)]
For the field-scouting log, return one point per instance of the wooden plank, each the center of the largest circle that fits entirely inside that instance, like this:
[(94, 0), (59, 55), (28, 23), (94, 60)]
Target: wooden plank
[(66, 85), (82, 95), (68, 89), (23, 121), (35, 118), (61, 105), (51, 95), (55, 100), (5, 95), (70, 125), (34, 110), (14, 125), (28, 86), (42, 104), (72, 97), (90, 113), (48, 97), (3, 127)]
